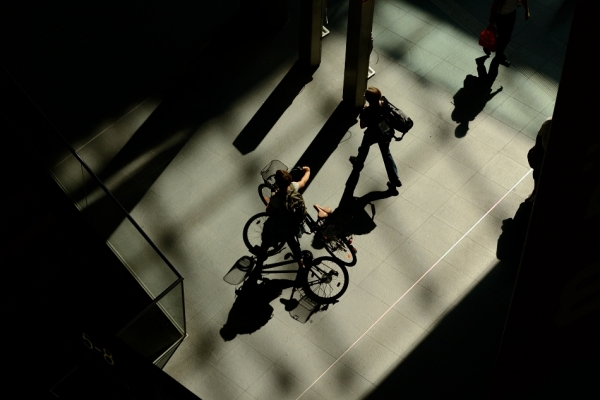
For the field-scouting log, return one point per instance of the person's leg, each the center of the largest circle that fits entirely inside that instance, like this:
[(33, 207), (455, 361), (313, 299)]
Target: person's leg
[(390, 164), (294, 245), (363, 152), (505, 24)]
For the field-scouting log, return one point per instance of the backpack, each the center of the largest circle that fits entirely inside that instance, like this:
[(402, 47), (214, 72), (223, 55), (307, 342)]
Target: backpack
[(295, 207), (394, 118)]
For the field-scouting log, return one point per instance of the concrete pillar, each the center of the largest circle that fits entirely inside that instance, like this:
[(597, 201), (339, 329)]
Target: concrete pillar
[(358, 49), (311, 23)]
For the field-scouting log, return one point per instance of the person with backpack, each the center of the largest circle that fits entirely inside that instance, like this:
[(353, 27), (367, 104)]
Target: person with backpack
[(373, 118), (286, 211)]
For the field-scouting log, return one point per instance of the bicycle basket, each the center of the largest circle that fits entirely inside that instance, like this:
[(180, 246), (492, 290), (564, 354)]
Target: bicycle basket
[(268, 172)]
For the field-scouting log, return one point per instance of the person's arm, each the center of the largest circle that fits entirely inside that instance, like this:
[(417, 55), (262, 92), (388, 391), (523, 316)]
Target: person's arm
[(526, 7), (302, 182), (363, 124)]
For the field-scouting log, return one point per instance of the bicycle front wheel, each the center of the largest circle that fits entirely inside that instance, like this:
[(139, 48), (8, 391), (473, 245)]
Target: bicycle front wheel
[(342, 250), (326, 280), (264, 192), (253, 234)]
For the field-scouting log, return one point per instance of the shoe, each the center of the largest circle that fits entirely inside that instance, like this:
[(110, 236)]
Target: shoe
[(397, 184), (352, 160), (503, 61), (487, 52)]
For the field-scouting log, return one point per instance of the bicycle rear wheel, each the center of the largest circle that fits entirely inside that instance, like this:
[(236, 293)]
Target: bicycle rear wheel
[(253, 234), (326, 280), (342, 250), (264, 192)]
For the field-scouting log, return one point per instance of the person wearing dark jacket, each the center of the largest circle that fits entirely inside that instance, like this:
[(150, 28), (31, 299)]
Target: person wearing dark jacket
[(371, 117)]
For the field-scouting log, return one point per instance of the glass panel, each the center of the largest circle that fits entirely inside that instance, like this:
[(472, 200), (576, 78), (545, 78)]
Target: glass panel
[(162, 361), (154, 332), (111, 222), (172, 304), (141, 259), (157, 332)]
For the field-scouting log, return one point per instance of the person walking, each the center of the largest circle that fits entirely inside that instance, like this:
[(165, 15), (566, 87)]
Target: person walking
[(371, 117), (503, 15)]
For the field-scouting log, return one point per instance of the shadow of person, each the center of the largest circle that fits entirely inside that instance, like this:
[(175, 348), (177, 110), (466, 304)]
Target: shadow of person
[(351, 217), (470, 100), (251, 309)]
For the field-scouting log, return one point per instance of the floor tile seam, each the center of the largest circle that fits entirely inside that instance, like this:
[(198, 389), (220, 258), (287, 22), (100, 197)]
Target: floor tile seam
[(355, 366), (457, 275), (220, 364), (246, 339), (264, 374), (461, 235), (501, 184), (464, 199), (327, 350), (228, 380), (414, 83), (175, 372), (484, 177), (407, 236), (396, 244), (499, 153), (481, 142), (383, 345), (413, 43), (507, 154), (452, 65), (420, 207), (454, 191), (403, 295), (530, 104), (430, 83)]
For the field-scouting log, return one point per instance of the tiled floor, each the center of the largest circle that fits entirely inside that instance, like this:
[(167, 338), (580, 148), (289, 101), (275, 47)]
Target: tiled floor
[(427, 280)]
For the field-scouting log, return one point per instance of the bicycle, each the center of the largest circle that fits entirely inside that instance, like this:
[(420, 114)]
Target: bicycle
[(323, 280), (336, 244)]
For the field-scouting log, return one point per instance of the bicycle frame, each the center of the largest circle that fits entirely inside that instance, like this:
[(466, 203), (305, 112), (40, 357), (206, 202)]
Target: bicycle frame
[(275, 265)]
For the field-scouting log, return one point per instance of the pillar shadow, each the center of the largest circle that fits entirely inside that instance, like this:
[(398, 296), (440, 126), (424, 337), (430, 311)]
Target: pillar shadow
[(470, 100), (274, 107), (328, 138)]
